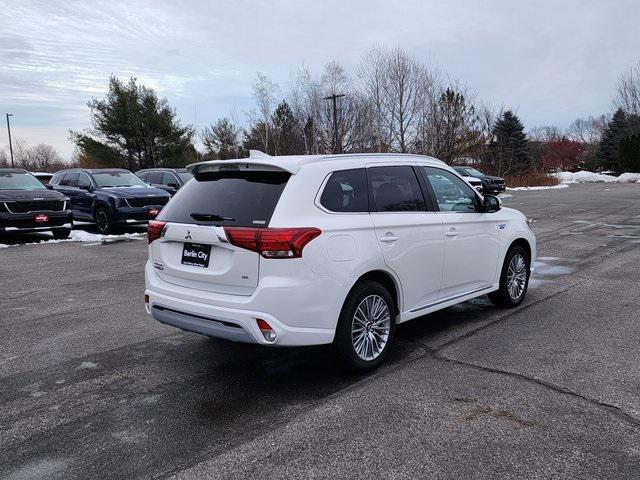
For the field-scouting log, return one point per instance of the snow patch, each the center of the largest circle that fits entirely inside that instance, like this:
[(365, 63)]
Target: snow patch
[(81, 236), (591, 177), (85, 365), (546, 187)]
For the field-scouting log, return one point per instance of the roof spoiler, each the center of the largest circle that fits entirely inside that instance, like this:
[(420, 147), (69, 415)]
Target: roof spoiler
[(258, 154)]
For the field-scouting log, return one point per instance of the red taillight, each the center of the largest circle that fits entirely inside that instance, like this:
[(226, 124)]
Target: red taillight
[(154, 230), (272, 242), (267, 332)]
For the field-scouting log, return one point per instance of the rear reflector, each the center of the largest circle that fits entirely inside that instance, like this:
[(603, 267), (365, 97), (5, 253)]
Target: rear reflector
[(267, 332), (154, 230), (272, 242)]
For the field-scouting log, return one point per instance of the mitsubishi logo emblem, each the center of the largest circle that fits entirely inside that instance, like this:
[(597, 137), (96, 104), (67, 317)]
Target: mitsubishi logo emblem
[(188, 235)]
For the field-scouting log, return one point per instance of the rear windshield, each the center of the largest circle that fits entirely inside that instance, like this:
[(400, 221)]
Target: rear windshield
[(241, 198)]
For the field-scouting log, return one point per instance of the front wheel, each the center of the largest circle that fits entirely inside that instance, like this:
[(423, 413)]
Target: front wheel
[(365, 328), (514, 279), (103, 220)]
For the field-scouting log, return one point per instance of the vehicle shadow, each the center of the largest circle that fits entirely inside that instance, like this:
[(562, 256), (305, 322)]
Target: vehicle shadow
[(171, 400)]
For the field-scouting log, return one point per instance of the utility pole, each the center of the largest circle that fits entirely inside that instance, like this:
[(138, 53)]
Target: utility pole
[(337, 144), (9, 130)]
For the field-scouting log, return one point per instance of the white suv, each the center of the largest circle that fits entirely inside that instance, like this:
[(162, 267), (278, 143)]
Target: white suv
[(308, 250)]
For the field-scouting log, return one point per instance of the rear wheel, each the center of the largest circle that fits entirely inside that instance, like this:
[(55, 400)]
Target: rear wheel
[(61, 233), (514, 279), (365, 327), (102, 216)]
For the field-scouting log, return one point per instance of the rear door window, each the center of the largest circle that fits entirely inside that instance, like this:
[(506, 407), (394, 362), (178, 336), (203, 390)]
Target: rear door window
[(70, 180), (155, 177), (84, 181), (240, 198), (169, 178), (396, 189), (346, 191)]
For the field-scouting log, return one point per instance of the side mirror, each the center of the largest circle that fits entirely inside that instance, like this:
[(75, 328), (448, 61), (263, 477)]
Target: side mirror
[(491, 204), (173, 185), (49, 186), (88, 188)]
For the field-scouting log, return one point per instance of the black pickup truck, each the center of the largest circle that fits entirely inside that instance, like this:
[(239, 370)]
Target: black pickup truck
[(26, 205)]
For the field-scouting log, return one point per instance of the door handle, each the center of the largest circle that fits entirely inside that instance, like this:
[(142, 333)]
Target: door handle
[(451, 233), (388, 239)]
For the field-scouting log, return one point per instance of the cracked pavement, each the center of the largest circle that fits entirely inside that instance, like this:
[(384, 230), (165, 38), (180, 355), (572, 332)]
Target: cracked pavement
[(90, 387)]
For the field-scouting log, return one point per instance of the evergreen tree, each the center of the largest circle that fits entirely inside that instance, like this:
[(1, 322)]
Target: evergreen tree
[(287, 137), (608, 155), (630, 153), (221, 140), (133, 128), (255, 139), (509, 149), (619, 150)]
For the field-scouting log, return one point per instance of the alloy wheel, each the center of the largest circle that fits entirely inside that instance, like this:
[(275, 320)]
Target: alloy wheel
[(516, 276), (102, 220), (370, 327)]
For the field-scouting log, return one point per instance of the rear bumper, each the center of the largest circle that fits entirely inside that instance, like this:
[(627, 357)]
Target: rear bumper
[(200, 324), (25, 222), (233, 317)]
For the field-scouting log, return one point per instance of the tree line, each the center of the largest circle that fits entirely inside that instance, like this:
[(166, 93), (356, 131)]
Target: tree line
[(393, 102)]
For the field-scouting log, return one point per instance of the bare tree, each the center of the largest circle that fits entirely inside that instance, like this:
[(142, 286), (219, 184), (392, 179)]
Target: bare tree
[(265, 93), (588, 130), (37, 158), (404, 91), (628, 91), (305, 98), (455, 129), (547, 133), (374, 77), (4, 159)]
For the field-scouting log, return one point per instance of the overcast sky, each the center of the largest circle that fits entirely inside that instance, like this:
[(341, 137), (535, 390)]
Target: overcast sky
[(552, 61)]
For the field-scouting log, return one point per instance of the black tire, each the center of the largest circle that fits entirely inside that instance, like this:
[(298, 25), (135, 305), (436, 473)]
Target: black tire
[(61, 233), (343, 342), (503, 297), (104, 222)]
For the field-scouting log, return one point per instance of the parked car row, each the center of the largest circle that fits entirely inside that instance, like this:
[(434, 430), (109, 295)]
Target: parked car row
[(35, 202)]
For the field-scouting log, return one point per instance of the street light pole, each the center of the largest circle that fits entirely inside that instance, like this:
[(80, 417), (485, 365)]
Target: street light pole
[(9, 131), (337, 144)]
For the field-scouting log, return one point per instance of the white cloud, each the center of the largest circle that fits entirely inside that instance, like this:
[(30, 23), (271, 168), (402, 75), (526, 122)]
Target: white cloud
[(553, 61)]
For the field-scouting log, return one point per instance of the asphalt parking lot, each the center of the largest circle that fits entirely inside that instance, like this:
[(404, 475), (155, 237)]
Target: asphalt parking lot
[(91, 387)]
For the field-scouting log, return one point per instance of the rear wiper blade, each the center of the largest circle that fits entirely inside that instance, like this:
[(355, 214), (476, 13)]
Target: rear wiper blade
[(211, 217)]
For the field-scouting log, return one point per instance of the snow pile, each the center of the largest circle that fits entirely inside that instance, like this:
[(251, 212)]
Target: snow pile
[(81, 236), (590, 177), (546, 187)]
